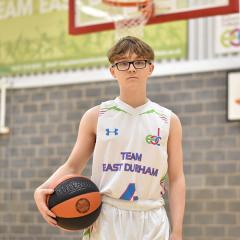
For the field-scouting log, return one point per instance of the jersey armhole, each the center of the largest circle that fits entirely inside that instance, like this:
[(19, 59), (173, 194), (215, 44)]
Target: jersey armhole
[(170, 114), (98, 119)]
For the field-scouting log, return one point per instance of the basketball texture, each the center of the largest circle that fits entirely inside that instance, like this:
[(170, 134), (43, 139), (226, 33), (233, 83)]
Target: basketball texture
[(76, 201)]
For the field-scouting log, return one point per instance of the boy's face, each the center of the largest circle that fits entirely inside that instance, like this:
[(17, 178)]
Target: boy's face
[(133, 74)]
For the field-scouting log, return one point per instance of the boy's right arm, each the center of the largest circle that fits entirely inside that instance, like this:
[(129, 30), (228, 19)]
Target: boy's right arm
[(75, 164)]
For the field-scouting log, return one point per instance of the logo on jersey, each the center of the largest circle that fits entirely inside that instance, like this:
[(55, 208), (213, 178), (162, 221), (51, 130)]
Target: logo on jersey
[(152, 139), (113, 131), (130, 193)]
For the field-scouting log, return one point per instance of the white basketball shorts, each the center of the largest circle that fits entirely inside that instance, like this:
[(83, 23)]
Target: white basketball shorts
[(123, 224)]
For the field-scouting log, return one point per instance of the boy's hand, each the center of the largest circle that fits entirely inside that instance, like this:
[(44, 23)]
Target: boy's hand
[(40, 197)]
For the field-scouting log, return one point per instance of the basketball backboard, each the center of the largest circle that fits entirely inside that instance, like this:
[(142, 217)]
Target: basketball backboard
[(87, 16)]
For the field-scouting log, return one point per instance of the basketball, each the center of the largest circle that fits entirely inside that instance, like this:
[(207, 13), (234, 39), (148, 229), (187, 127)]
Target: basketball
[(76, 202)]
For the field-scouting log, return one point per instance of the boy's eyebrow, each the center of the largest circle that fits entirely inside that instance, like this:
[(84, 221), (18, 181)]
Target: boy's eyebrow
[(127, 59)]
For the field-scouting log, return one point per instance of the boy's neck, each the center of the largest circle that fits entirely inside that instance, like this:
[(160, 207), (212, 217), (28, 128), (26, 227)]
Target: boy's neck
[(133, 99)]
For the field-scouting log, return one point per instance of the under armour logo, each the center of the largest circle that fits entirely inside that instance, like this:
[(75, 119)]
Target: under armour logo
[(112, 131)]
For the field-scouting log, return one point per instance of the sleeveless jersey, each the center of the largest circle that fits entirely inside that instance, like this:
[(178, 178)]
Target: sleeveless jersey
[(130, 155)]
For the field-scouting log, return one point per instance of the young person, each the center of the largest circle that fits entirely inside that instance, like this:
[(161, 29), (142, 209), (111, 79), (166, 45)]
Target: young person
[(135, 143)]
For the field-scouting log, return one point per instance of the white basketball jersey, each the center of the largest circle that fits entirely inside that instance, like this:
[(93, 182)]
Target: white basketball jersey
[(130, 155)]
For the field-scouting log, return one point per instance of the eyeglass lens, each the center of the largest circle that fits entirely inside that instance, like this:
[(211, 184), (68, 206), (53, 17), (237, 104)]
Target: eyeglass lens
[(122, 66)]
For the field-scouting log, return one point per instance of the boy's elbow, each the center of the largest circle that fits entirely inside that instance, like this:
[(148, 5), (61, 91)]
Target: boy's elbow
[(179, 179)]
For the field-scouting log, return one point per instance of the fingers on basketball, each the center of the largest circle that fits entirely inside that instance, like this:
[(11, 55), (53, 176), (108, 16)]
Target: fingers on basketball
[(48, 191), (50, 221), (49, 216)]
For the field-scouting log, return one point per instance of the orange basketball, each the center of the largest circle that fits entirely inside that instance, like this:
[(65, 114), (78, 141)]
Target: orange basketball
[(76, 201)]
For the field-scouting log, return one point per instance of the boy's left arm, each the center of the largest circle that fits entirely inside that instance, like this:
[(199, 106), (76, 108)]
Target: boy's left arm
[(176, 179)]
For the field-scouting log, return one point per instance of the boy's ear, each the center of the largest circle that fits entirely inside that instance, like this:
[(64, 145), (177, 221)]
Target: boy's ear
[(111, 69), (151, 68)]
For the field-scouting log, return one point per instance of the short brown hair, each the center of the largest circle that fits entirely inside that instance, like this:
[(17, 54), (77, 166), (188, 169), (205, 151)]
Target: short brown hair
[(130, 45)]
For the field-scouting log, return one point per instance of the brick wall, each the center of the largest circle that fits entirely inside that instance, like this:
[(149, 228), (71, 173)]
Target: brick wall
[(44, 124)]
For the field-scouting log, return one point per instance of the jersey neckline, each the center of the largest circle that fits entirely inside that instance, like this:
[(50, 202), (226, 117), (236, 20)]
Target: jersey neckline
[(130, 109)]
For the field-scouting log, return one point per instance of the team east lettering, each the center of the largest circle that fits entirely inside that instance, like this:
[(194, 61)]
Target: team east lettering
[(130, 163)]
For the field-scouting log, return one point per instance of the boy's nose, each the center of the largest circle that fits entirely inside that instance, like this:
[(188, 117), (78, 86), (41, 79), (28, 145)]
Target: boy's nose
[(131, 68)]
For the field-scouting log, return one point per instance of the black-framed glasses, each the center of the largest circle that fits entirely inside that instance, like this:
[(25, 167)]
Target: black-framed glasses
[(125, 65)]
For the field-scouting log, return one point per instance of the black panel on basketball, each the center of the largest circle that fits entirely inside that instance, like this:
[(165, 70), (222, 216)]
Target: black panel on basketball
[(71, 188), (80, 222)]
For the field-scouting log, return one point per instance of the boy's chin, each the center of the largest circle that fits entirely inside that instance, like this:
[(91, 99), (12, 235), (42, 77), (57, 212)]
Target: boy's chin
[(133, 85)]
